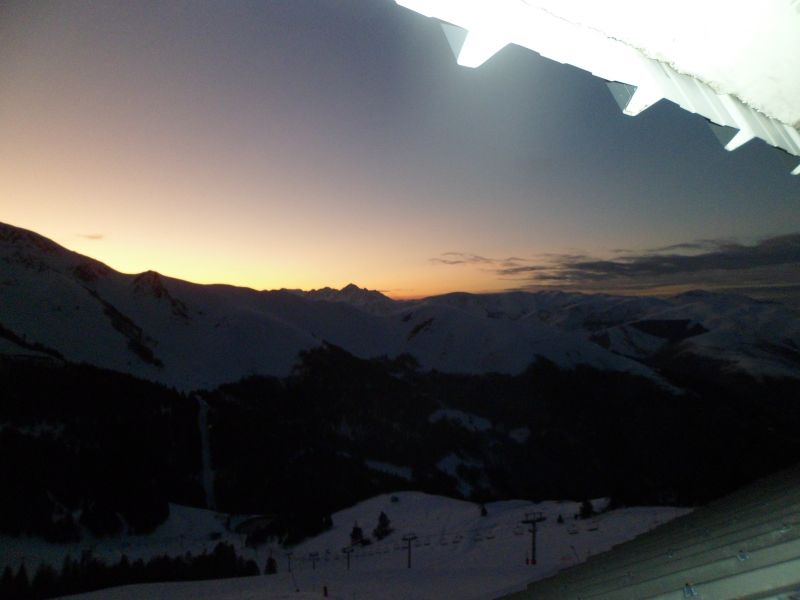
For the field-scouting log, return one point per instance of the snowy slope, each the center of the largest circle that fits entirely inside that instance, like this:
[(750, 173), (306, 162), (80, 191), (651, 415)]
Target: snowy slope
[(456, 340), (761, 338), (198, 336), (186, 530), (457, 553)]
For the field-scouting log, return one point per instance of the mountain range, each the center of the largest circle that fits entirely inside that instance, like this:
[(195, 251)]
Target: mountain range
[(124, 394), (58, 303)]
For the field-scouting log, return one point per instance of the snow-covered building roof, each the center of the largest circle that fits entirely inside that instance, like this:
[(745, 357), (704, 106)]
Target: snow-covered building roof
[(735, 62), (741, 547)]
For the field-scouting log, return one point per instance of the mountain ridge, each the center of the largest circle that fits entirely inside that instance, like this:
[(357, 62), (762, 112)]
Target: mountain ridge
[(199, 336)]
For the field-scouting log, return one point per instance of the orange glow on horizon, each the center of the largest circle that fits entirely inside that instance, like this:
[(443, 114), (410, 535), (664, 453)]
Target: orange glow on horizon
[(205, 264)]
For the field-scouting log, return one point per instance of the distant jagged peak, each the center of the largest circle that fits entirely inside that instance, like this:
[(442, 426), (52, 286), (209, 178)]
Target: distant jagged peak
[(350, 291), (371, 301)]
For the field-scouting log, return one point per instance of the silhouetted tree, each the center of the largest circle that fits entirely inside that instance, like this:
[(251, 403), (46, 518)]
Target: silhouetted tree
[(587, 510), (384, 527), (356, 535), (7, 583), (271, 567), (69, 580), (45, 582), (21, 584), (122, 571), (247, 568)]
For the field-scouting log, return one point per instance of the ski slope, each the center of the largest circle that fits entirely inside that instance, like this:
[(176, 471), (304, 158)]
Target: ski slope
[(457, 553)]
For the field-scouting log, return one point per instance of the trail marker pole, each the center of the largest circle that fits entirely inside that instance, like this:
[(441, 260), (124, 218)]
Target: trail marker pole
[(532, 519), (348, 551), (289, 562), (408, 539), (575, 552)]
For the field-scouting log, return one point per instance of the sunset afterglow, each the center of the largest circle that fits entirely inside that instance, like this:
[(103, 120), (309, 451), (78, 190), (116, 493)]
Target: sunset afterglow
[(312, 144)]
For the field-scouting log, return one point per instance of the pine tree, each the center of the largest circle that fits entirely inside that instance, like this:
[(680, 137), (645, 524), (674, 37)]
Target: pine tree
[(22, 586), (356, 535), (587, 510), (384, 527), (7, 583), (45, 582), (271, 567), (69, 582), (249, 568), (123, 570)]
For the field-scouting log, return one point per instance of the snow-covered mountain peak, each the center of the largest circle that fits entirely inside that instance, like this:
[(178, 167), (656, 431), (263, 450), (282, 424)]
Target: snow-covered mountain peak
[(198, 336)]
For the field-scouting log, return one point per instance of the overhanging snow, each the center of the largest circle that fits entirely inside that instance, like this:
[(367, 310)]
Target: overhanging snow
[(737, 63)]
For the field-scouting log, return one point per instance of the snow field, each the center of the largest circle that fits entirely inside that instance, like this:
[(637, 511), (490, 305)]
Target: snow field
[(457, 553)]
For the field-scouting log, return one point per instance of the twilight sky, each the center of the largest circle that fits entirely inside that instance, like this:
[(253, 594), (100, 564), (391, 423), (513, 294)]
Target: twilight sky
[(305, 143)]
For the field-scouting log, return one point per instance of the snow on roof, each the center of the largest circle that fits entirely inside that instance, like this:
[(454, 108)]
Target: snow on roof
[(747, 48), (735, 62)]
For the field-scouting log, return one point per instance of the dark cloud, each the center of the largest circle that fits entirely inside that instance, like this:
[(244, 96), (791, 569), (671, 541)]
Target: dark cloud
[(712, 264), (688, 247), (464, 258), (461, 258), (92, 236), (720, 255)]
